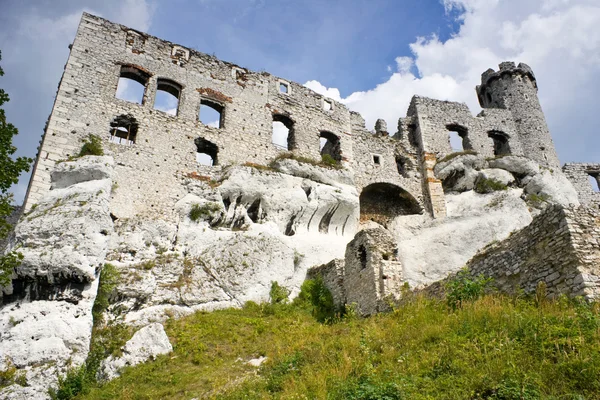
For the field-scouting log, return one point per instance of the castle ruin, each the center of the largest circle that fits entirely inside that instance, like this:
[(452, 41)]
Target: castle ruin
[(247, 178)]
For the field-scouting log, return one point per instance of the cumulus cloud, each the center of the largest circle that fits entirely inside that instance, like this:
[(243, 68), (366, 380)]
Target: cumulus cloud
[(559, 39)]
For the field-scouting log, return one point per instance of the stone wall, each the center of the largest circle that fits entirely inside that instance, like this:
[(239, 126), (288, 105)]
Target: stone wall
[(514, 88), (165, 146), (561, 247), (370, 274), (86, 104), (579, 174)]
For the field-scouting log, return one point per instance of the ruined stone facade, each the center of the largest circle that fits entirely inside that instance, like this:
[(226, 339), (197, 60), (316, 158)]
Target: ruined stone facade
[(153, 149), (370, 276), (581, 176)]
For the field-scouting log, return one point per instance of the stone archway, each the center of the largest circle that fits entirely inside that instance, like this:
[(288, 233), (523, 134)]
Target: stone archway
[(382, 202)]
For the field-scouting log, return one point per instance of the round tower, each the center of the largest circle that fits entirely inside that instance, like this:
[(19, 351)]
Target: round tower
[(514, 88)]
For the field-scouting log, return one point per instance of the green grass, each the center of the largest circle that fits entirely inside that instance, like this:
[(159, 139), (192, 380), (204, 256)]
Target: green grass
[(325, 162), (200, 212), (496, 347), (485, 185)]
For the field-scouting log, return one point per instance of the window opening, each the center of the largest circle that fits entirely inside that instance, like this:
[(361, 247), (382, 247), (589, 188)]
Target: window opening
[(132, 84), (167, 96), (206, 152), (330, 145), (501, 146), (284, 88), (595, 182), (377, 159), (123, 130), (362, 256), (283, 133), (401, 165), (327, 105), (459, 140), (211, 113)]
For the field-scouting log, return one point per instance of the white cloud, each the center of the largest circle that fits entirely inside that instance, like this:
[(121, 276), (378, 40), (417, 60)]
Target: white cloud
[(559, 39)]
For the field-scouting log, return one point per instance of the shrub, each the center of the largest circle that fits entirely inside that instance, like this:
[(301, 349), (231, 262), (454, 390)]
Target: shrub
[(92, 146), (327, 159), (315, 294), (278, 294), (70, 385), (109, 277), (485, 185), (463, 287), (369, 388), (8, 263), (199, 211)]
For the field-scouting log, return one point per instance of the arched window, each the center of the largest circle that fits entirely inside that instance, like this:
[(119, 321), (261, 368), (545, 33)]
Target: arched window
[(594, 179), (206, 152), (459, 138), (167, 96), (283, 132), (124, 130), (330, 145), (211, 113), (501, 145), (132, 84)]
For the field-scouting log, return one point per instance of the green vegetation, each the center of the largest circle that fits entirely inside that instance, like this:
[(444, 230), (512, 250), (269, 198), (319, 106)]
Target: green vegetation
[(278, 294), (198, 212), (537, 201), (456, 154), (107, 339), (324, 162), (10, 169), (92, 146), (485, 185), (494, 347), (464, 288)]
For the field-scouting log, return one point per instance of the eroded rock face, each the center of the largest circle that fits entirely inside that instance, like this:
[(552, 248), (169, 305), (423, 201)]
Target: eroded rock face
[(253, 228), (146, 344), (46, 319), (432, 249)]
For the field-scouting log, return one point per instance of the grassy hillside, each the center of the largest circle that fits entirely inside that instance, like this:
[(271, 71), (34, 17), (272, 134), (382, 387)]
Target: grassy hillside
[(496, 347)]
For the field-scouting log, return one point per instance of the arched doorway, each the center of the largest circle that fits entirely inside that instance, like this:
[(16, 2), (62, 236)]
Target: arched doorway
[(382, 202)]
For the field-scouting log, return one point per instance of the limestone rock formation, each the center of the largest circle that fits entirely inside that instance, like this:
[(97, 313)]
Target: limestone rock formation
[(46, 322), (147, 343)]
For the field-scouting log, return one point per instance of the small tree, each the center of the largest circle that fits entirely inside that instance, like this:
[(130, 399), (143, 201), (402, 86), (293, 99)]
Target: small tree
[(10, 169)]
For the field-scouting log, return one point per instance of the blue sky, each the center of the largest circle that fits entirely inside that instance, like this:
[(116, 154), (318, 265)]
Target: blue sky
[(373, 55)]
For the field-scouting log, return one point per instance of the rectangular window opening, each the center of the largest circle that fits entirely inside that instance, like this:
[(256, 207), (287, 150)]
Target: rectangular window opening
[(376, 159), (284, 88)]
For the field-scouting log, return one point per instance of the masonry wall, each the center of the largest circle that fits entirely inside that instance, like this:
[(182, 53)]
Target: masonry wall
[(560, 247), (579, 175), (372, 272), (86, 104), (514, 88)]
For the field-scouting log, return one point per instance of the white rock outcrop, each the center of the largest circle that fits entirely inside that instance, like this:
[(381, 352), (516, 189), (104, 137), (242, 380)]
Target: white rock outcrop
[(146, 344), (46, 322)]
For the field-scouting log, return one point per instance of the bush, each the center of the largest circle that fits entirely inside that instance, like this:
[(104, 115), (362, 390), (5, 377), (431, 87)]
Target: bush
[(463, 287), (327, 159), (92, 146), (485, 185), (278, 294), (198, 211), (70, 385), (315, 294)]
